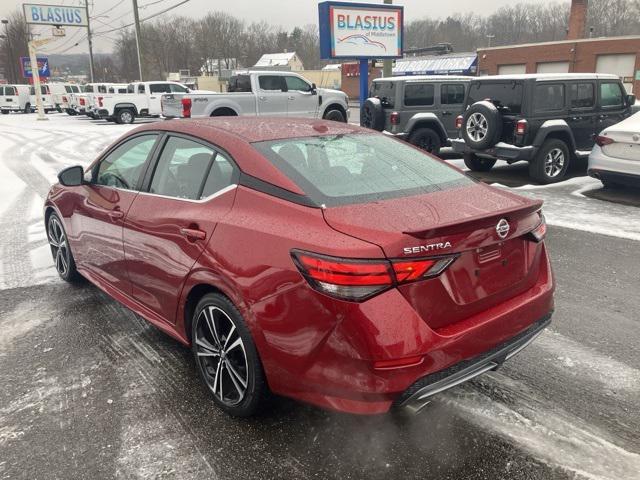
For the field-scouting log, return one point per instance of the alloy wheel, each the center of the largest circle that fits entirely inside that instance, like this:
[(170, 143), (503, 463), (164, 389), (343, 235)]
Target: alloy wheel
[(59, 246), (554, 163), (222, 356), (477, 127), (126, 117)]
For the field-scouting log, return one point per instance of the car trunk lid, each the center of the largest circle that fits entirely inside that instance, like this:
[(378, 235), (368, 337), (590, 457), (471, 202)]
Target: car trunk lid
[(462, 222)]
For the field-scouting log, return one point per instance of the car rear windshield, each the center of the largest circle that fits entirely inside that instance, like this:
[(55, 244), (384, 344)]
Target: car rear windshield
[(9, 90), (355, 168), (386, 92), (507, 96)]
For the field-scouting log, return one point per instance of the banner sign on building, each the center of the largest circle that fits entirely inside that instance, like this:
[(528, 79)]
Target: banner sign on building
[(362, 31), (43, 67), (58, 15)]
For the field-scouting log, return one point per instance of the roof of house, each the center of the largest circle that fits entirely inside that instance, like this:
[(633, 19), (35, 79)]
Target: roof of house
[(555, 42), (275, 59)]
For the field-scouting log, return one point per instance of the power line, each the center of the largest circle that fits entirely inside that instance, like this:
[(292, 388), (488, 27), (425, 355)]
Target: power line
[(142, 7), (147, 18)]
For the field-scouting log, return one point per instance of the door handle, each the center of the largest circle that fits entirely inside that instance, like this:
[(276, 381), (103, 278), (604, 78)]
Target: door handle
[(576, 119), (116, 214), (193, 233), (262, 98), (446, 113), (602, 117), (291, 97), (152, 98)]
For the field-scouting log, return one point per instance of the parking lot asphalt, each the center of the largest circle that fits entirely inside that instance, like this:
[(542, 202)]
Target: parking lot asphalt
[(90, 390)]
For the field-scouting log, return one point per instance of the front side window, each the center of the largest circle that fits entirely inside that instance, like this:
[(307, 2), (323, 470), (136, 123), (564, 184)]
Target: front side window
[(452, 94), (32, 90), (271, 82), (88, 89), (174, 88), (295, 83), (190, 170), (141, 88), (354, 168), (549, 97), (418, 94), (123, 166), (131, 88), (68, 89), (240, 83), (582, 95), (159, 88), (611, 95)]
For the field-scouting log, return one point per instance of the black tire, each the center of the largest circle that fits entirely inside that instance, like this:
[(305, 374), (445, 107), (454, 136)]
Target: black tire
[(481, 125), (477, 164), (5, 112), (335, 115), (426, 139), (548, 166), (70, 112), (27, 108), (212, 367), (372, 114), (125, 116), (62, 256)]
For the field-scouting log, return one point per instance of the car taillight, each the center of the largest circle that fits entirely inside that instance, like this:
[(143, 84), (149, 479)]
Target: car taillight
[(521, 127), (186, 107), (358, 279), (394, 118), (540, 231), (601, 140), (459, 121), (100, 101), (82, 101), (64, 99)]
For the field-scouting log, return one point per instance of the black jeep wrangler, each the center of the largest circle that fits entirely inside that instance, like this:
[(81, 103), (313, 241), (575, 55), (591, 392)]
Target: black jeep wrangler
[(545, 119)]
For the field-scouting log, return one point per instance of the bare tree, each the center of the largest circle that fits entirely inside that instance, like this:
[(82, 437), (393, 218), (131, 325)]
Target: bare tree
[(14, 45)]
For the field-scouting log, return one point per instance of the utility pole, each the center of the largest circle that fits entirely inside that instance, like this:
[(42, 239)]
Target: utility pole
[(91, 72), (11, 77), (136, 19), (387, 65), (35, 74)]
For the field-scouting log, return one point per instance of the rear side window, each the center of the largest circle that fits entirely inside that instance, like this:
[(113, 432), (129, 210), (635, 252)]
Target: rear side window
[(190, 170), (582, 95), (353, 168), (549, 97), (240, 83), (507, 96), (611, 95), (416, 94), (68, 89), (88, 89), (386, 92), (141, 88), (159, 88), (177, 88), (271, 82), (452, 94)]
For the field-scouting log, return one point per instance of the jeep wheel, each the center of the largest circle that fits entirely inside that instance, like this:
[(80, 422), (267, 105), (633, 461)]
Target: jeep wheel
[(426, 139), (372, 115), (477, 164), (481, 125), (125, 116), (551, 162)]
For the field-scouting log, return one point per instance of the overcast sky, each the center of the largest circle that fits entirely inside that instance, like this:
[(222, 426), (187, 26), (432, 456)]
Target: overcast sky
[(287, 13)]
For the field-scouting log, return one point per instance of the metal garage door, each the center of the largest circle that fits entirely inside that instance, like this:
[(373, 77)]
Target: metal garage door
[(553, 67), (512, 69), (622, 64)]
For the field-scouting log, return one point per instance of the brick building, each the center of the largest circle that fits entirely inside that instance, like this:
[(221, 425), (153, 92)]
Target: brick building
[(617, 55)]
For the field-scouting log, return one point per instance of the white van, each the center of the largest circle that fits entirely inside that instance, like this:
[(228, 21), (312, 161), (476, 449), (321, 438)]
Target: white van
[(15, 98), (47, 99), (66, 100), (57, 90)]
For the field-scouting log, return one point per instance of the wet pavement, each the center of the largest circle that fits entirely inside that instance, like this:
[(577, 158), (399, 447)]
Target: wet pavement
[(90, 390)]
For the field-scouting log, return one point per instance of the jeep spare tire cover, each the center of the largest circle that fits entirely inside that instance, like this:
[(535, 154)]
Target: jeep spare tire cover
[(372, 115), (481, 125)]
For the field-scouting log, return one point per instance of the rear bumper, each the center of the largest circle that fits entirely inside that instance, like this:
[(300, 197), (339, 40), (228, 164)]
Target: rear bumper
[(500, 151), (619, 170), (418, 395)]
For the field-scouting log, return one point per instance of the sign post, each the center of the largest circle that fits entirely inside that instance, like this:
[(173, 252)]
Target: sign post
[(360, 31), (33, 69)]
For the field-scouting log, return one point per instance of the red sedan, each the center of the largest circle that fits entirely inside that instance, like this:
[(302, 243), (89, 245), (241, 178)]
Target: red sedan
[(311, 259)]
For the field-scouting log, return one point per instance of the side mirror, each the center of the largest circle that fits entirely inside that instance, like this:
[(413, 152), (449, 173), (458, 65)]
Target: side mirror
[(314, 89), (631, 100), (71, 176)]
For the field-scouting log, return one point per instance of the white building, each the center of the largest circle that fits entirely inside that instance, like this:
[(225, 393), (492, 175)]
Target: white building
[(280, 61)]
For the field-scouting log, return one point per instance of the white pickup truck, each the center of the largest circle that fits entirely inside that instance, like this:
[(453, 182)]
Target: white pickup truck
[(282, 94), (141, 100)]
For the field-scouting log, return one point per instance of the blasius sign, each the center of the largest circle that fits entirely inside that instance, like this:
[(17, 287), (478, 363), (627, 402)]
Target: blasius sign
[(57, 15), (357, 30)]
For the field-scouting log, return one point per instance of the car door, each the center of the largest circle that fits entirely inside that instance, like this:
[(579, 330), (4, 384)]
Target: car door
[(418, 97), (191, 187), (156, 90), (99, 217), (611, 104), (272, 96), (582, 112), (301, 99), (451, 105)]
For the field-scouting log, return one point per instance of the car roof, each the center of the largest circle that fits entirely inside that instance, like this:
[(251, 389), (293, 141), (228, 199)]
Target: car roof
[(255, 129), (548, 76), (422, 78)]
